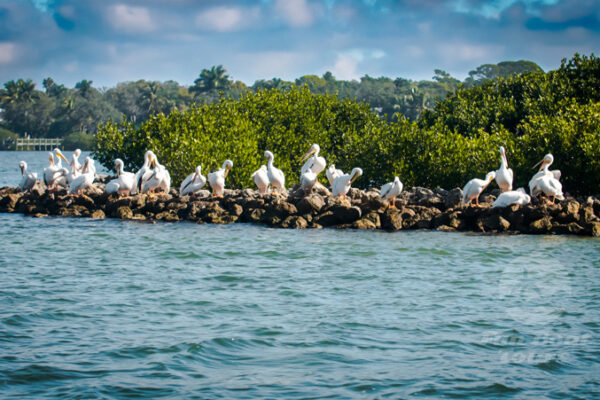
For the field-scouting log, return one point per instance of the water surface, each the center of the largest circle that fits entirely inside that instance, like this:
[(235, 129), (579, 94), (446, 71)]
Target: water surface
[(112, 309)]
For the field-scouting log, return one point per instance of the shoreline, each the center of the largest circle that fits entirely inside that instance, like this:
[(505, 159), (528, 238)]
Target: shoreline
[(418, 208)]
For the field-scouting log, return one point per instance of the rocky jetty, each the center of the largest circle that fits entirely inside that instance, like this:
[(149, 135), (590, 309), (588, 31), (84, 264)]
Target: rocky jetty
[(418, 208)]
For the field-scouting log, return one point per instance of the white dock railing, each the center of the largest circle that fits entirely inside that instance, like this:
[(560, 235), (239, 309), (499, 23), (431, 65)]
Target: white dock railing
[(38, 143)]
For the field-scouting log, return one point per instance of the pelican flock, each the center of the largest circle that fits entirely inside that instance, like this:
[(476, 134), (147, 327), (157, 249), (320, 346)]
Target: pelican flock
[(153, 177)]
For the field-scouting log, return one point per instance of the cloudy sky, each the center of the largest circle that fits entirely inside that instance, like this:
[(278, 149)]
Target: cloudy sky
[(109, 41)]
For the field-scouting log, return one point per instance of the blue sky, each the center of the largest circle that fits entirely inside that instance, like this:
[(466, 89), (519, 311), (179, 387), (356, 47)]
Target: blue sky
[(109, 41)]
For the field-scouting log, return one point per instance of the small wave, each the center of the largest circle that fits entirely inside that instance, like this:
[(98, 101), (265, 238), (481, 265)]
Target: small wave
[(552, 365), (42, 373)]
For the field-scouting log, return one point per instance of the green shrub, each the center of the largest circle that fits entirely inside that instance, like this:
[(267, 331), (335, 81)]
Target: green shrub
[(78, 140)]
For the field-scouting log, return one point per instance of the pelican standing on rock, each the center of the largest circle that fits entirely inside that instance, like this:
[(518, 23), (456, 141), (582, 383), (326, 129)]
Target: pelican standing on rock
[(74, 164), (474, 187), (547, 161), (144, 173), (276, 176), (332, 173), (511, 197), (504, 175), (341, 184), (85, 180), (62, 180), (308, 180), (547, 183), (160, 178), (193, 182), (28, 179), (52, 173), (216, 179), (261, 179), (390, 191), (124, 183), (315, 163)]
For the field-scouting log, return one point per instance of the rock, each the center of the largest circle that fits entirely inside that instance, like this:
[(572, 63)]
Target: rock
[(168, 216), (364, 223), (446, 228), (391, 221), (310, 204), (123, 212), (254, 215), (453, 198), (85, 201), (346, 214), (235, 209), (594, 228), (9, 201), (572, 228), (98, 214), (295, 222), (328, 218), (542, 225), (493, 222)]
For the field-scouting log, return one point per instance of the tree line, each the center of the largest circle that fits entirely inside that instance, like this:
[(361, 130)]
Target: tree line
[(75, 113), (530, 114)]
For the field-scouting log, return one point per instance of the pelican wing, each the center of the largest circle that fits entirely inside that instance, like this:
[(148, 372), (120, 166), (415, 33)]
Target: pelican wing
[(385, 190)]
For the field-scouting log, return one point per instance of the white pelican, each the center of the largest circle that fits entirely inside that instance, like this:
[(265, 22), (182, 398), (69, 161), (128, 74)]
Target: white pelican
[(548, 159), (85, 180), (261, 179), (124, 183), (391, 190), (315, 163), (160, 179), (28, 179), (504, 175), (308, 180), (341, 184), (74, 165), (61, 180), (216, 179), (144, 173), (52, 172), (474, 187), (511, 197), (193, 182), (276, 177), (548, 183), (333, 173)]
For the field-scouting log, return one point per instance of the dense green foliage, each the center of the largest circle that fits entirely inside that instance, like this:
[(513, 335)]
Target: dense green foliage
[(530, 115), (59, 111)]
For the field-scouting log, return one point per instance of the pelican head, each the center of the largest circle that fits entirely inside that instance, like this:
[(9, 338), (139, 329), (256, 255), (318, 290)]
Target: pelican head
[(86, 165), (314, 149), (269, 156), (356, 172), (60, 155), (490, 176), (23, 166), (396, 181), (51, 158), (77, 152), (547, 160), (198, 171), (227, 165), (118, 165)]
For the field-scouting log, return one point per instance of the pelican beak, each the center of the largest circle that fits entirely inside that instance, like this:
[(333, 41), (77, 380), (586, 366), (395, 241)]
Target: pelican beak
[(308, 154), (353, 179), (22, 170), (85, 167), (542, 161), (195, 176), (153, 163), (226, 172), (51, 159), (63, 157), (118, 173)]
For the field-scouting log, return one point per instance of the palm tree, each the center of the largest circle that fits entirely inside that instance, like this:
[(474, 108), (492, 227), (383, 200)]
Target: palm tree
[(150, 100), (211, 79), (17, 92), (84, 87)]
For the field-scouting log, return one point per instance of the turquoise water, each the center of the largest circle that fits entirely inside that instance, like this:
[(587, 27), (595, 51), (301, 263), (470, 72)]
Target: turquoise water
[(112, 309)]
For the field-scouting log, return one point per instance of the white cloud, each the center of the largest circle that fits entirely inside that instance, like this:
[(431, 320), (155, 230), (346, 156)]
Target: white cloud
[(345, 67), (7, 52), (130, 19), (297, 13), (269, 64), (457, 52), (226, 19)]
